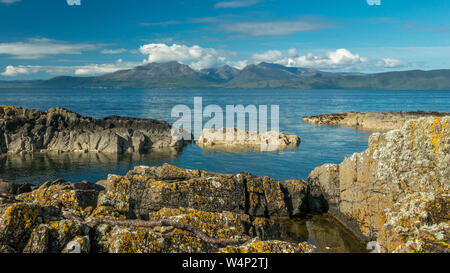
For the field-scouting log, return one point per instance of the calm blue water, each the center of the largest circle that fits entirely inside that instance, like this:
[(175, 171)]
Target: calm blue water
[(320, 144)]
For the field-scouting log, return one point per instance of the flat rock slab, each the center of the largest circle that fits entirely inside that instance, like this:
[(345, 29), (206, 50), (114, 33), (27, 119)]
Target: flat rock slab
[(370, 121)]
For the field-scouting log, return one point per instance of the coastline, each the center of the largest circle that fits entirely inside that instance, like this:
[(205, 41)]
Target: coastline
[(261, 200)]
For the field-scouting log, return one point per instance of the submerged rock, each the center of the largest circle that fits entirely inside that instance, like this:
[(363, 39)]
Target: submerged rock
[(238, 141), (397, 191), (370, 121), (28, 130)]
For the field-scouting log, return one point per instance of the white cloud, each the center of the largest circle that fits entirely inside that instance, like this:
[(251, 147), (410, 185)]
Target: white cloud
[(113, 51), (39, 48), (83, 70), (271, 56), (339, 59), (12, 71), (273, 27), (97, 69), (238, 64), (236, 4), (391, 63), (195, 56)]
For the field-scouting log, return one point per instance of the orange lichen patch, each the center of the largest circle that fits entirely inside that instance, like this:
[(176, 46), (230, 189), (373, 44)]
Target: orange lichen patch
[(437, 131), (217, 225), (108, 212), (17, 223), (417, 223), (60, 195), (137, 241), (257, 246)]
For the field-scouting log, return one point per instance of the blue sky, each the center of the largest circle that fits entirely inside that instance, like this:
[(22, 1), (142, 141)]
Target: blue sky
[(43, 39)]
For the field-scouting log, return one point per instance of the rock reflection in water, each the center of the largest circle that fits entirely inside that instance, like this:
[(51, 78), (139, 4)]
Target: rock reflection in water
[(37, 168), (241, 149), (326, 233)]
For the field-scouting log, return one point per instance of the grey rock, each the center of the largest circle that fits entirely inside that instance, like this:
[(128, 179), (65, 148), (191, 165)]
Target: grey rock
[(28, 130)]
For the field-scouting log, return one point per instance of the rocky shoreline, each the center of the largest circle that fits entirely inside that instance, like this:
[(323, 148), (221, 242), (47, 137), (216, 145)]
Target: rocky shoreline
[(60, 130), (370, 121), (397, 191), (154, 209), (395, 195)]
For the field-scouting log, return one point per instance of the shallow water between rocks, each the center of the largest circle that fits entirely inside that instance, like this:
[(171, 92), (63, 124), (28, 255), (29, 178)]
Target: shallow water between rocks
[(320, 144)]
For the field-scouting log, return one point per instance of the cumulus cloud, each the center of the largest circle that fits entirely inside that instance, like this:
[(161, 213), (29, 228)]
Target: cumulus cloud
[(273, 27), (236, 4), (195, 56), (83, 70), (331, 60), (271, 56), (339, 59), (12, 71), (42, 47)]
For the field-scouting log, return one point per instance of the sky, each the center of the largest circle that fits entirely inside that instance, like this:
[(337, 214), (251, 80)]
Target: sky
[(41, 39)]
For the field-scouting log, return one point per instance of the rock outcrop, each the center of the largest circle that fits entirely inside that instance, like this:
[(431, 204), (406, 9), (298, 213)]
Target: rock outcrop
[(235, 208), (58, 129), (370, 121), (237, 140), (397, 191)]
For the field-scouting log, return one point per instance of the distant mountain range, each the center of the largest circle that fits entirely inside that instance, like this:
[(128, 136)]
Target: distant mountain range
[(263, 75)]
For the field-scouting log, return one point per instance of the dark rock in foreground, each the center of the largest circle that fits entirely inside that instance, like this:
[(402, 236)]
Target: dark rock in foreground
[(370, 121), (59, 130)]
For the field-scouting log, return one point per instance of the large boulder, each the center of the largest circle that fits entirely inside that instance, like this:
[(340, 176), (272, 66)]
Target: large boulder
[(397, 191), (147, 189), (58, 129), (238, 141)]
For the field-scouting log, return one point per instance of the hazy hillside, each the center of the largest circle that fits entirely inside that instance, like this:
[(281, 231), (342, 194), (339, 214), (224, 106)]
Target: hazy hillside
[(263, 75)]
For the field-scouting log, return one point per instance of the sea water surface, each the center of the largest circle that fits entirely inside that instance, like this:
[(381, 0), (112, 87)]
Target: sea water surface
[(319, 144)]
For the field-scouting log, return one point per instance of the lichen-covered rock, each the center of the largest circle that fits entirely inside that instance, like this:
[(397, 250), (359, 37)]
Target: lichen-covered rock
[(32, 228), (39, 240), (225, 225), (237, 140), (397, 191), (370, 121), (258, 246), (148, 189), (58, 129), (17, 223), (57, 216), (80, 197)]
